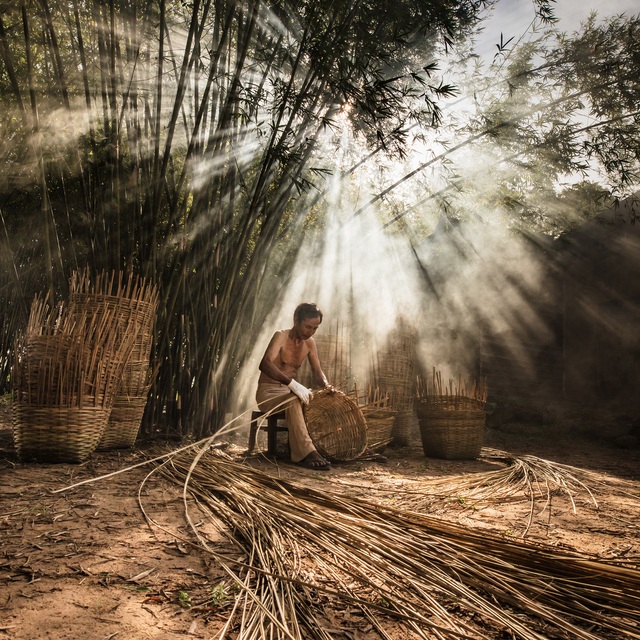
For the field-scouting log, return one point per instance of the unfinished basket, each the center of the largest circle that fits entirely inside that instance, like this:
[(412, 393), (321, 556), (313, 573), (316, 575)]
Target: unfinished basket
[(336, 426), (122, 428), (63, 390), (66, 369), (128, 407), (134, 301), (393, 372), (451, 428)]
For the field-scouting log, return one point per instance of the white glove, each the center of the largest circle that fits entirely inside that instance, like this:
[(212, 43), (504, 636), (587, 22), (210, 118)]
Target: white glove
[(301, 391)]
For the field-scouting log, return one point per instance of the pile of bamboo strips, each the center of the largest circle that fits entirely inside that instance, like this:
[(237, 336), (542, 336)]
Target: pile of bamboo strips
[(304, 550)]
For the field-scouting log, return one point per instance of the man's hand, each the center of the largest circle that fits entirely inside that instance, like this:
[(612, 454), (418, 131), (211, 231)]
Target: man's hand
[(301, 391)]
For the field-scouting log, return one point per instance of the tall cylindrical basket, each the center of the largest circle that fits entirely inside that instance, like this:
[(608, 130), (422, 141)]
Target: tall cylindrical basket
[(451, 427)]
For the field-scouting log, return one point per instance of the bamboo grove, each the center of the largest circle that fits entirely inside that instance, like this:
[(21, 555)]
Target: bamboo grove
[(178, 140), (189, 141)]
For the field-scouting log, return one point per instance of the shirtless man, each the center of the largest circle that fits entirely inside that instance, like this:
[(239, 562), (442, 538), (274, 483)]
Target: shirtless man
[(277, 386)]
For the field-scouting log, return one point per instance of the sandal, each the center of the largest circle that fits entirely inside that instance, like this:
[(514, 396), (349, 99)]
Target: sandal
[(315, 461)]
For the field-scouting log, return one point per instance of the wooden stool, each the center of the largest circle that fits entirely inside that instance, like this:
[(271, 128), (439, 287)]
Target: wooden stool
[(271, 427)]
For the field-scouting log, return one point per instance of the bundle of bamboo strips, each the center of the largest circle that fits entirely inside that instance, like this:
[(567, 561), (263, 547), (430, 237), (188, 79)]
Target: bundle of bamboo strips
[(437, 579), (525, 477)]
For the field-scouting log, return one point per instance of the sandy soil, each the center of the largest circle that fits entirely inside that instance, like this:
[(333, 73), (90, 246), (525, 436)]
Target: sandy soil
[(86, 564)]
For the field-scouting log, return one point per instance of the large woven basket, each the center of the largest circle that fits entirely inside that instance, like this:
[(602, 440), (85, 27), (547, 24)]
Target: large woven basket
[(128, 407), (57, 434), (451, 428), (134, 301), (336, 426), (63, 391), (122, 428), (394, 372)]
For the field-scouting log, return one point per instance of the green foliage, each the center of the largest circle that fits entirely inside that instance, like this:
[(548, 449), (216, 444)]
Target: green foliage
[(184, 599)]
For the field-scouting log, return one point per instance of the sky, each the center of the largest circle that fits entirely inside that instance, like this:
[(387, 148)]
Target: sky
[(513, 17)]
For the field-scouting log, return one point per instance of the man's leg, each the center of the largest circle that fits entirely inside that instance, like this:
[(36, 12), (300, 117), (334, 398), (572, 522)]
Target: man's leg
[(277, 397)]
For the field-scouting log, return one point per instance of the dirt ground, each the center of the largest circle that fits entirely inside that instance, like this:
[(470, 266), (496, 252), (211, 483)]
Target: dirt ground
[(85, 564)]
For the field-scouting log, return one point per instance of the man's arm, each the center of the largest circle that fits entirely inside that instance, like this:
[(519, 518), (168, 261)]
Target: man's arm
[(266, 365)]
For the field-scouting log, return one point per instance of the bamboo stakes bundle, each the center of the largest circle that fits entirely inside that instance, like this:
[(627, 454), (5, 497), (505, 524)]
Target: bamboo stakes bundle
[(302, 547), (133, 302)]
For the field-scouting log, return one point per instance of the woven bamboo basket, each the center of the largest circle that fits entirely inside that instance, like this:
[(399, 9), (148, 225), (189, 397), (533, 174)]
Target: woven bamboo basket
[(379, 424), (392, 371), (451, 427), (379, 415), (57, 434), (336, 426), (128, 407), (123, 423), (133, 301), (63, 391)]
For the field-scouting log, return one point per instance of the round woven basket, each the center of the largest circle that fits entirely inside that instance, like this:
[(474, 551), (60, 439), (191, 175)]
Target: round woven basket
[(451, 428), (336, 426), (57, 434)]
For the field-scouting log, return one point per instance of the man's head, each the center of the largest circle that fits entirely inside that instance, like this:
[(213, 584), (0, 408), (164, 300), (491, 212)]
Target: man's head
[(306, 311), (306, 320)]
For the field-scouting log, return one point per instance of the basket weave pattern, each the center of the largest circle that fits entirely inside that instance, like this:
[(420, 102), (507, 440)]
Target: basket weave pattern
[(451, 428), (133, 308), (394, 374), (336, 426), (379, 426), (57, 434), (128, 407), (64, 381), (71, 363)]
